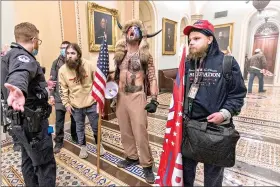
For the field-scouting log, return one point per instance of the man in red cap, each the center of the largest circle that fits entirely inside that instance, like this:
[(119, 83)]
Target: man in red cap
[(210, 96)]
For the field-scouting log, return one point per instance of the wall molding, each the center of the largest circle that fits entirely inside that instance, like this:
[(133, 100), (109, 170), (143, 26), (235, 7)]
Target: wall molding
[(78, 25), (133, 9), (156, 40), (61, 21)]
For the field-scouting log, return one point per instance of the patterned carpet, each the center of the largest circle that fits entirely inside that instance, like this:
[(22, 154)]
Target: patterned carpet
[(249, 151), (71, 170)]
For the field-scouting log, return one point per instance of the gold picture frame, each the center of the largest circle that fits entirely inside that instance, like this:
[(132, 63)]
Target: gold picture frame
[(169, 36), (224, 35), (106, 18)]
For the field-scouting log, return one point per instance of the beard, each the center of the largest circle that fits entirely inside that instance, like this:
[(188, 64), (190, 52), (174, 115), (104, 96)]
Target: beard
[(73, 64), (132, 40), (200, 53)]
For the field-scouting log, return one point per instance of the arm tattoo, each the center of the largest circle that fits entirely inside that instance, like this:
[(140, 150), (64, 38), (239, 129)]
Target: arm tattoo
[(151, 70), (152, 78)]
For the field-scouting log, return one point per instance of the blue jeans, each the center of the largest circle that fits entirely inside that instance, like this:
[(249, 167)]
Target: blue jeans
[(254, 73), (213, 175), (79, 115)]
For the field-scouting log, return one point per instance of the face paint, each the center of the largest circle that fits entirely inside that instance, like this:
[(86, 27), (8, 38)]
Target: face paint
[(133, 34)]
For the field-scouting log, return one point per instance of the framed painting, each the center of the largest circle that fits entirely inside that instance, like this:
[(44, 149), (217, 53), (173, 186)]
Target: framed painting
[(101, 20), (169, 36), (224, 35)]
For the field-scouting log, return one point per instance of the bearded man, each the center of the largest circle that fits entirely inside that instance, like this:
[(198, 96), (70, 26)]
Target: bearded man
[(75, 86), (211, 98), (135, 70), (55, 99)]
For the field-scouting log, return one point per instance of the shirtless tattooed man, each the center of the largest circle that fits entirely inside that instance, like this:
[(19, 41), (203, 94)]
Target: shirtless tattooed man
[(135, 75)]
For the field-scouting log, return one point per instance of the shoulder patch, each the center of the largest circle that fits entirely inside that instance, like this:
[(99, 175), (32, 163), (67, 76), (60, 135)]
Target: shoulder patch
[(23, 58)]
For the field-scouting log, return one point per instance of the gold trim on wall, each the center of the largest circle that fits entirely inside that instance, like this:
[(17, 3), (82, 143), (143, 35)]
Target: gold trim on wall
[(164, 52), (230, 25), (92, 7), (61, 21), (77, 11)]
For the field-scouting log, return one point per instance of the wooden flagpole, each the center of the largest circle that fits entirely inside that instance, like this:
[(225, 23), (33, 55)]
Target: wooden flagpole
[(98, 142), (99, 130)]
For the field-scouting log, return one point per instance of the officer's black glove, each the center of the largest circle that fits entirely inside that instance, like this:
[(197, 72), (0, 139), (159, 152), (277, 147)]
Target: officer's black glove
[(152, 106)]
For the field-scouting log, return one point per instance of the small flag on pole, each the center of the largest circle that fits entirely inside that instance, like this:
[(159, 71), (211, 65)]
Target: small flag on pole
[(100, 76)]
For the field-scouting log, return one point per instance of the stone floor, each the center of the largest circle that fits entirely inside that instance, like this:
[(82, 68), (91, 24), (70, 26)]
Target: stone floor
[(258, 150)]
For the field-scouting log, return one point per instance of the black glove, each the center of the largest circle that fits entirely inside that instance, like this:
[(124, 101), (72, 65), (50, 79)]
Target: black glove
[(152, 106)]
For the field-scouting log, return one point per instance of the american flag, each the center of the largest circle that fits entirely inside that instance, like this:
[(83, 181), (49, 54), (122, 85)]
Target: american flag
[(170, 171), (100, 76)]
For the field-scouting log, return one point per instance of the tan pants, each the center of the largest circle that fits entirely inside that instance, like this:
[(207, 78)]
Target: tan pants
[(132, 119)]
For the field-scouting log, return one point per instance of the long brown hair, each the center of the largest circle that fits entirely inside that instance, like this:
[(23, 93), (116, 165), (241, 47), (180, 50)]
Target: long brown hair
[(80, 70)]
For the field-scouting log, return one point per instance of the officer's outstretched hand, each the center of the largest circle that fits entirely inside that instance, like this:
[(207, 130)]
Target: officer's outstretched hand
[(16, 98), (152, 106)]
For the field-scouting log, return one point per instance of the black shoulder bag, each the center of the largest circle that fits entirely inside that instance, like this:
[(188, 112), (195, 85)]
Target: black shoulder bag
[(206, 142)]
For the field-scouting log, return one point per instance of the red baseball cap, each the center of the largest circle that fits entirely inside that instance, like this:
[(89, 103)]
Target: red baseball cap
[(200, 24)]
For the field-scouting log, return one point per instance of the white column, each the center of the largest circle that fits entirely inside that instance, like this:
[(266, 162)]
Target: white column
[(8, 22)]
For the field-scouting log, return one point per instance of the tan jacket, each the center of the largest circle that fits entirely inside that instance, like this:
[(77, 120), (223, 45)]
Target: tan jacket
[(72, 92)]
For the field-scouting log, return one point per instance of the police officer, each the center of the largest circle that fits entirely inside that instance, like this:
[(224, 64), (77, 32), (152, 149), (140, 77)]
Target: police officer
[(27, 94)]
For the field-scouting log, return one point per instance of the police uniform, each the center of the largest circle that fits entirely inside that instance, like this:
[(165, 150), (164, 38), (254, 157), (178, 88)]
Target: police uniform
[(22, 70)]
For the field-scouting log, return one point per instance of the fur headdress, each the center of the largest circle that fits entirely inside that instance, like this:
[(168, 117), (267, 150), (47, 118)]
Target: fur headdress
[(143, 46)]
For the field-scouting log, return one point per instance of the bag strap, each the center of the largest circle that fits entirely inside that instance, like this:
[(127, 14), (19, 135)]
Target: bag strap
[(227, 66), (187, 102)]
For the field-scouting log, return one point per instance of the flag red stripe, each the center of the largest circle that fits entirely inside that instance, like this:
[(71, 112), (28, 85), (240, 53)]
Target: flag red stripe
[(99, 99), (100, 79), (99, 88)]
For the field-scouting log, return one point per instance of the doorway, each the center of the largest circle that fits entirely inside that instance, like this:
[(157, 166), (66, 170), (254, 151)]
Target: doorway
[(146, 15), (266, 39)]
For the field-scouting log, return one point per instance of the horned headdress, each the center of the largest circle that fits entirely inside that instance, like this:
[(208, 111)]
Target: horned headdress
[(143, 46)]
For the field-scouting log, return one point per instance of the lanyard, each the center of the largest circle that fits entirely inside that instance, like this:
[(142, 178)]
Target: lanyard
[(197, 79), (196, 71)]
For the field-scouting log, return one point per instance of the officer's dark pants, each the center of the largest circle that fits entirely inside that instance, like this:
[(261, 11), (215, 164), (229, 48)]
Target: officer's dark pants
[(15, 139), (213, 175), (59, 128), (38, 163)]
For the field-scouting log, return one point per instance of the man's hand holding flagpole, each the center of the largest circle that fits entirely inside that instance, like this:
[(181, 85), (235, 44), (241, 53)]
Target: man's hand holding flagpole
[(98, 89)]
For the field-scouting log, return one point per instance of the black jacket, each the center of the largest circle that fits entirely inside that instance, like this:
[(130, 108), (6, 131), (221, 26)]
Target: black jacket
[(21, 69), (55, 92), (215, 93)]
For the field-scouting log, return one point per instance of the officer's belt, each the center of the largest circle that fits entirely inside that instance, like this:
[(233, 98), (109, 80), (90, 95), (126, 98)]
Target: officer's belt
[(44, 111), (27, 113)]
